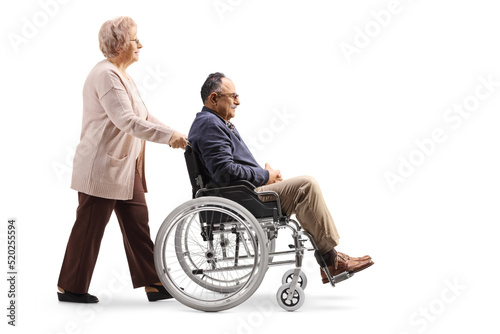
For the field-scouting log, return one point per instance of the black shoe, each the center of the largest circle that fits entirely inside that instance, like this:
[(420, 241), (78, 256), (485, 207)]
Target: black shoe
[(77, 297), (160, 295)]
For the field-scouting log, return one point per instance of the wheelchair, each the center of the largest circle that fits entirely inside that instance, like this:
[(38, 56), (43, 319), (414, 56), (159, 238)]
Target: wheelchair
[(212, 252)]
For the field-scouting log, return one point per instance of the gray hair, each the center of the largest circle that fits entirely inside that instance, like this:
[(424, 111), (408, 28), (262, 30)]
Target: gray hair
[(211, 85), (114, 35)]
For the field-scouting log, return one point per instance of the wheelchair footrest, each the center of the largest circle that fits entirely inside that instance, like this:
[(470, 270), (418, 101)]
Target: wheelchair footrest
[(343, 276)]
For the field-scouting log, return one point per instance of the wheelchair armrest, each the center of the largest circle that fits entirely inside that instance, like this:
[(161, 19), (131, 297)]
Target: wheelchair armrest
[(249, 185), (243, 192)]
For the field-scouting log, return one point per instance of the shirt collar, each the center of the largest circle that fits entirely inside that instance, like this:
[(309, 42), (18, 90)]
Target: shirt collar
[(228, 124)]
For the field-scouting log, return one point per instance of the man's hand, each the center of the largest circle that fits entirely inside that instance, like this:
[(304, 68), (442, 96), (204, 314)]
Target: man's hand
[(274, 175), (178, 140)]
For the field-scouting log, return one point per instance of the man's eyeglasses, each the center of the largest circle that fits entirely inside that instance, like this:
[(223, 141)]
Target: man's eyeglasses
[(234, 96)]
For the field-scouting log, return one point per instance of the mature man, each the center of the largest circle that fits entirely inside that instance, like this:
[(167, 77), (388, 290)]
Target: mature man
[(226, 158)]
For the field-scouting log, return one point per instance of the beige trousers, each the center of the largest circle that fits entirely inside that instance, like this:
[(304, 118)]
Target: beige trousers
[(302, 196)]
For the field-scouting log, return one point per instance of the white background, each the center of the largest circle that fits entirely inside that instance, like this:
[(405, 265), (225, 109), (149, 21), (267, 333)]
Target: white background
[(350, 122)]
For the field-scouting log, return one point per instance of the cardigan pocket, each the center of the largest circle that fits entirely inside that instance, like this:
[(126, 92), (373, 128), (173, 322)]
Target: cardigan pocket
[(116, 169)]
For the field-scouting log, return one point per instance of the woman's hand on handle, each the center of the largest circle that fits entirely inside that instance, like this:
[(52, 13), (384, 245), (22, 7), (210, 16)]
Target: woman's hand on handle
[(178, 140)]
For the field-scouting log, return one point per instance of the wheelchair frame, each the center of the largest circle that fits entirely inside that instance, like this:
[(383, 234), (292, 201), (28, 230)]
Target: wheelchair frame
[(195, 270)]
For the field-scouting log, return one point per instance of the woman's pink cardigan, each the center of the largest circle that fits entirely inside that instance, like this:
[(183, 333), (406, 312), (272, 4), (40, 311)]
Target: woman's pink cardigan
[(115, 122)]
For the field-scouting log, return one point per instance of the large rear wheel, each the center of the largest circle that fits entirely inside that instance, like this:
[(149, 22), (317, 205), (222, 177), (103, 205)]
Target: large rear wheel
[(211, 254)]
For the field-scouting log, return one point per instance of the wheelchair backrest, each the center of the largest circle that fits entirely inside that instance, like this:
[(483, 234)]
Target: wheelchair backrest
[(194, 168)]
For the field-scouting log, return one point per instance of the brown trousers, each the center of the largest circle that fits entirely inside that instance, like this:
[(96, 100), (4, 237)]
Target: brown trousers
[(302, 196), (92, 216)]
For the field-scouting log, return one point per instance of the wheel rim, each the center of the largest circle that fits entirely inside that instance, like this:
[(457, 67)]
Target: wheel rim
[(289, 279), (292, 302)]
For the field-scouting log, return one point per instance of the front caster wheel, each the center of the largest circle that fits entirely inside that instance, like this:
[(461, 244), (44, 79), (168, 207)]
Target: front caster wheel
[(292, 304), (288, 276)]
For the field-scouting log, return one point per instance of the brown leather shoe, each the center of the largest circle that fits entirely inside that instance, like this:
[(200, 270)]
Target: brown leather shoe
[(363, 258), (343, 264)]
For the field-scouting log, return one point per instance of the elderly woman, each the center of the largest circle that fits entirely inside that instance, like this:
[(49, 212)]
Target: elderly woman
[(108, 168)]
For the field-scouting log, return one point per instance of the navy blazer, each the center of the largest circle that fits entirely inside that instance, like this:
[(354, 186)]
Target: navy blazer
[(222, 152)]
